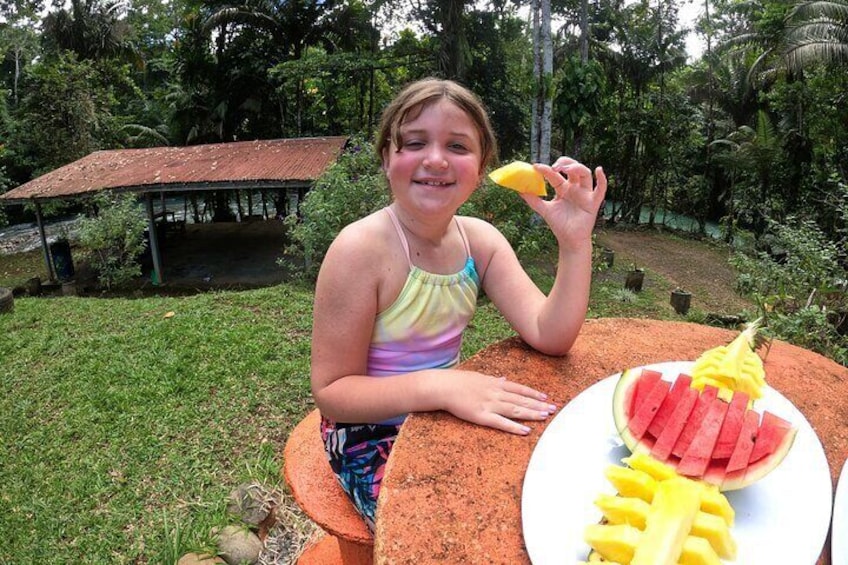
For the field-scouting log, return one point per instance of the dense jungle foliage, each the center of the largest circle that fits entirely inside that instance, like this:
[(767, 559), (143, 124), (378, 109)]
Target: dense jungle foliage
[(750, 133)]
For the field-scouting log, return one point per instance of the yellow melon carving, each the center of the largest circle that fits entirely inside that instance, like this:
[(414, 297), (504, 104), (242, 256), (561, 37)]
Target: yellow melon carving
[(521, 177)]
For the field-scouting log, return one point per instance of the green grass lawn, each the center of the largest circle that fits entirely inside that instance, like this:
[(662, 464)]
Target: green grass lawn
[(124, 428)]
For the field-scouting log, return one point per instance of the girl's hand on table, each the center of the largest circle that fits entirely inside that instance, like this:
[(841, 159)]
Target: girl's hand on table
[(495, 402), (572, 212)]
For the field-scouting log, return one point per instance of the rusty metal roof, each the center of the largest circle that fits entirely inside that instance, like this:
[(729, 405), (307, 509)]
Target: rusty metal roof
[(243, 164)]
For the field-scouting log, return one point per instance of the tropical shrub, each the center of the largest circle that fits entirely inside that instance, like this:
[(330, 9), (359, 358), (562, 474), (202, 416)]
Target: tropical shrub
[(523, 228), (113, 239), (800, 282), (350, 189)]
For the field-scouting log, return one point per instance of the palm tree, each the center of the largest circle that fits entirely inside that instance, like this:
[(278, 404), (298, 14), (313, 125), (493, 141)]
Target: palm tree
[(93, 29), (752, 157), (817, 32)]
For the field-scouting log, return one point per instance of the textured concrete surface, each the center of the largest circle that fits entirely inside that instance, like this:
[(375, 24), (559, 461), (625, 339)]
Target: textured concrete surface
[(452, 490)]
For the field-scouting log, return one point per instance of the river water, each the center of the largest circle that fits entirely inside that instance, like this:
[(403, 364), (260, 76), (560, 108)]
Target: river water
[(670, 220)]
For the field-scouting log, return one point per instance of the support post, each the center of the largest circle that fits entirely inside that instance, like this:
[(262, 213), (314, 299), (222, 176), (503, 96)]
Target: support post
[(154, 238), (51, 272)]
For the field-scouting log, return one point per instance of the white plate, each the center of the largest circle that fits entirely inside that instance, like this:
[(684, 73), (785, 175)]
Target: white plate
[(839, 529), (783, 518)]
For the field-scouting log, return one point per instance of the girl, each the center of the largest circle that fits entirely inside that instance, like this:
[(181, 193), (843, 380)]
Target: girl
[(397, 288)]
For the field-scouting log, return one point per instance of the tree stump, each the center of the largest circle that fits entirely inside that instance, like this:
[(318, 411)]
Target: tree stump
[(634, 281), (681, 300), (33, 286), (7, 301)]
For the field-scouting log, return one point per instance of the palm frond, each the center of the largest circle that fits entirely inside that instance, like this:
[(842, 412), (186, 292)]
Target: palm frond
[(138, 134), (832, 9), (240, 16)]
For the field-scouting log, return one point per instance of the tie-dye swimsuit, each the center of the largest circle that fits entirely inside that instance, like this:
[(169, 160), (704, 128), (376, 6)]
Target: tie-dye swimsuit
[(422, 329)]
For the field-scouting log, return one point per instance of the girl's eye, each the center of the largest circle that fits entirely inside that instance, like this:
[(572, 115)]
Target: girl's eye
[(413, 144), (458, 148)]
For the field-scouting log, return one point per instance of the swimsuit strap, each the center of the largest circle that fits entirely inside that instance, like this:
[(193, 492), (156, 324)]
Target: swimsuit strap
[(401, 235), (462, 235), (405, 243)]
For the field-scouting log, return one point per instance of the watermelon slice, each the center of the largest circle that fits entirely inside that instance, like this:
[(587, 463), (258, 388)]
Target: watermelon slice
[(732, 425), (772, 432), (699, 453), (734, 472), (681, 384), (669, 434), (697, 433), (709, 394), (647, 380), (645, 412)]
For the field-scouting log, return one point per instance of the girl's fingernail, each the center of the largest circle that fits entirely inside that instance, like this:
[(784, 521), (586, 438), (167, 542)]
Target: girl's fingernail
[(543, 396), (545, 413), (525, 430), (552, 408)]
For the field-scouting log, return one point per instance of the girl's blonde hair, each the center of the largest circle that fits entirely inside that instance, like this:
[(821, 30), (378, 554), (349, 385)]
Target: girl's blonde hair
[(420, 94)]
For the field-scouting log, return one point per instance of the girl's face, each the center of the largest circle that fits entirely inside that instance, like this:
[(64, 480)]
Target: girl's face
[(437, 166)]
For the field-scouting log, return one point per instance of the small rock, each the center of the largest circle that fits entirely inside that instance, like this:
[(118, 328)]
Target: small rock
[(248, 503), (199, 559), (238, 545)]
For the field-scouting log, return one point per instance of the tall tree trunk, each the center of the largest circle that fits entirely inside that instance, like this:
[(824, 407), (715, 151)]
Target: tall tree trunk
[(584, 31), (535, 105), (454, 52), (543, 65), (548, 82)]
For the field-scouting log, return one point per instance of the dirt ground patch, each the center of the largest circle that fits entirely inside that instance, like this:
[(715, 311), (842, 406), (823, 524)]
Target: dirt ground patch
[(699, 267)]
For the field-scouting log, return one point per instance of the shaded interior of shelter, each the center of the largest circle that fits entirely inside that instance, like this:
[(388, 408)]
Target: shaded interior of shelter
[(219, 255)]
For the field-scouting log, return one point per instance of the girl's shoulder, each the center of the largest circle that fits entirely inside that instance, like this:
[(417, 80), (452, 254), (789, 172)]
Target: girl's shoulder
[(481, 233), (366, 239)]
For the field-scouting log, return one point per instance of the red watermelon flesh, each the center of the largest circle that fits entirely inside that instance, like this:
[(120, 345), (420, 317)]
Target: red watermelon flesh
[(732, 426), (698, 455), (769, 436), (668, 437), (716, 471), (694, 423), (681, 384), (646, 411), (744, 443), (758, 448), (646, 382)]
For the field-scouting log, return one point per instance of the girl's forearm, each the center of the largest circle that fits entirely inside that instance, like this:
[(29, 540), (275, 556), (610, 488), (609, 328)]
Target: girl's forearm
[(564, 310), (360, 398)]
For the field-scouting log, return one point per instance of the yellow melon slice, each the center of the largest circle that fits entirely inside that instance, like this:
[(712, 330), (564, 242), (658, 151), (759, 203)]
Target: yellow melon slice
[(619, 542), (634, 484), (673, 510), (521, 177), (635, 511)]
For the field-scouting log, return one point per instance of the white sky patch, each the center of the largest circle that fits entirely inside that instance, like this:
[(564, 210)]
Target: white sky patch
[(689, 12)]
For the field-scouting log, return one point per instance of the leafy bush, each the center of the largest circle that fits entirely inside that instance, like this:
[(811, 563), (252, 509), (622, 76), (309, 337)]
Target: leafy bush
[(113, 239), (811, 327), (523, 228), (350, 189), (800, 285)]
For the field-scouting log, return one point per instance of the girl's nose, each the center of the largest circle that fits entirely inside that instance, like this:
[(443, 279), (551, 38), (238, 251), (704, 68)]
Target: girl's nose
[(436, 160)]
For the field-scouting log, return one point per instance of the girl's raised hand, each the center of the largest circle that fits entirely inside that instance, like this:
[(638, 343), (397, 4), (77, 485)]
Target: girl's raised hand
[(571, 213), (495, 402)]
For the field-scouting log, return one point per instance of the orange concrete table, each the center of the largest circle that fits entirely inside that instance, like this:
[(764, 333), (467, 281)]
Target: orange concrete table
[(452, 490)]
